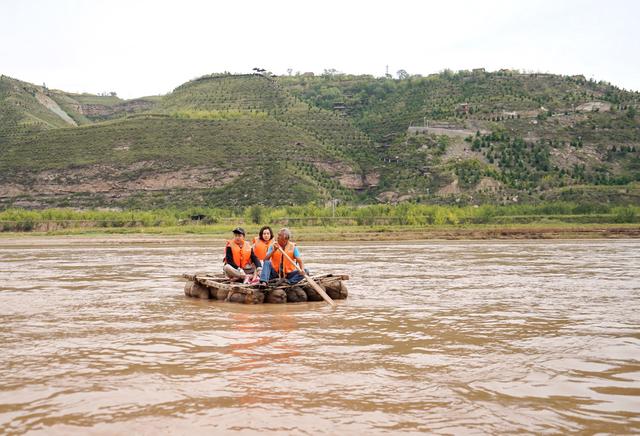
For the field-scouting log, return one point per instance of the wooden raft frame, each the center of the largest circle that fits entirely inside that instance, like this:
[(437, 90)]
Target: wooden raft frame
[(219, 287)]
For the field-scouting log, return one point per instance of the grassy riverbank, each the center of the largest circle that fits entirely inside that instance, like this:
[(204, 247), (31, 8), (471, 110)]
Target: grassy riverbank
[(311, 222), (372, 233)]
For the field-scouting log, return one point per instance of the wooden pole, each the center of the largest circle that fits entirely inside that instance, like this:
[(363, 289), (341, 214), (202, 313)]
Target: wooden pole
[(313, 284)]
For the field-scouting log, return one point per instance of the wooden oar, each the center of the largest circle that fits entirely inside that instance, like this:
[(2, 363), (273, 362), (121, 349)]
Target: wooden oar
[(313, 284)]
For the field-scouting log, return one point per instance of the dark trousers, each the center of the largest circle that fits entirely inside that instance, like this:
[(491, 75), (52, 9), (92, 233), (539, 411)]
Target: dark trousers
[(268, 273)]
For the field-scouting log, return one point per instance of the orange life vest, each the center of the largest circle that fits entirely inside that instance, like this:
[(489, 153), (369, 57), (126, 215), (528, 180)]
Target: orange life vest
[(260, 247), (241, 255), (277, 257)]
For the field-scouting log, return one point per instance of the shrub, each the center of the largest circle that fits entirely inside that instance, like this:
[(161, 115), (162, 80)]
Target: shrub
[(255, 214), (628, 214)]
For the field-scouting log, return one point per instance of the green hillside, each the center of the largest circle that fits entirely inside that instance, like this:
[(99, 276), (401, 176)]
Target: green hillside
[(239, 159), (467, 138), (488, 134), (384, 107), (23, 108), (28, 107), (222, 95)]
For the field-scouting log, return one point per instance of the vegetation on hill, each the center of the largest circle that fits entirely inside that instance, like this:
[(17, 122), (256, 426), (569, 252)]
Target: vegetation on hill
[(469, 137), (218, 95), (384, 107), (23, 108), (243, 159)]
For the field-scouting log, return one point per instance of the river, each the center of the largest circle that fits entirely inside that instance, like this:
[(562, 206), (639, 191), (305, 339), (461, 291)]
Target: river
[(538, 337)]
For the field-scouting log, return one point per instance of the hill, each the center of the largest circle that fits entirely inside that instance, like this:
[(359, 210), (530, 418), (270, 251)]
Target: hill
[(230, 140), (465, 137), (28, 107), (480, 136)]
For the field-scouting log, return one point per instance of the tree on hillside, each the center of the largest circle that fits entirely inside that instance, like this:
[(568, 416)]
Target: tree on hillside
[(330, 72), (402, 74)]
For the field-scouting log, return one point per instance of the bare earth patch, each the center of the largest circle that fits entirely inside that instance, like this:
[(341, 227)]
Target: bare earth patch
[(488, 184), (47, 102), (141, 176), (462, 151), (346, 176), (387, 197), (450, 189), (595, 105), (567, 156)]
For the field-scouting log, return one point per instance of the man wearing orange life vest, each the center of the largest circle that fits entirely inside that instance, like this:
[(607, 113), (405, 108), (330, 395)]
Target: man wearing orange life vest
[(276, 265), (240, 260)]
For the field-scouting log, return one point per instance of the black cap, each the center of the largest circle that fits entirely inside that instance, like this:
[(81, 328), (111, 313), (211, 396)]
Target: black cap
[(239, 230)]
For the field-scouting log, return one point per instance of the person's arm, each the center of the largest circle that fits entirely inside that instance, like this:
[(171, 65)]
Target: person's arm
[(229, 258), (296, 256), (255, 260), (269, 252)]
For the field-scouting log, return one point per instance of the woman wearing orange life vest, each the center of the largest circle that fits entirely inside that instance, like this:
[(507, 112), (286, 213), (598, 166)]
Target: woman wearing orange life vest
[(262, 242), (240, 260), (276, 265)]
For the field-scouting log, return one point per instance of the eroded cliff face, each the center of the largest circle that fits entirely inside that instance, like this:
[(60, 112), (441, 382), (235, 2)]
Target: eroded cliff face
[(108, 181), (50, 104), (347, 176), (99, 111)]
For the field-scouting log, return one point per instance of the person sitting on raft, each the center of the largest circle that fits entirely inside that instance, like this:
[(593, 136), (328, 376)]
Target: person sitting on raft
[(262, 242), (240, 261), (278, 266)]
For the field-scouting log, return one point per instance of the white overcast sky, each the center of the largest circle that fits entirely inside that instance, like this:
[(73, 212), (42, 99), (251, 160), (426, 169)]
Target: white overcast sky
[(148, 47)]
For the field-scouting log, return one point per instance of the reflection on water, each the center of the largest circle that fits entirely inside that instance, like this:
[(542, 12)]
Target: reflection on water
[(466, 337)]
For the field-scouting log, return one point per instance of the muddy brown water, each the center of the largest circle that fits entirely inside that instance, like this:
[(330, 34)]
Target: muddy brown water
[(96, 337)]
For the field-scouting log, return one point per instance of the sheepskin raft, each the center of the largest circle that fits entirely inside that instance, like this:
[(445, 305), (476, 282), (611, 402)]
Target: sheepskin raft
[(219, 287)]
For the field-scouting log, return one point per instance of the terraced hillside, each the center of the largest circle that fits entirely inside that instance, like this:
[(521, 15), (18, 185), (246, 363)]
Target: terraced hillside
[(221, 96), (487, 136), (163, 160), (384, 108), (467, 137), (221, 140), (25, 107)]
